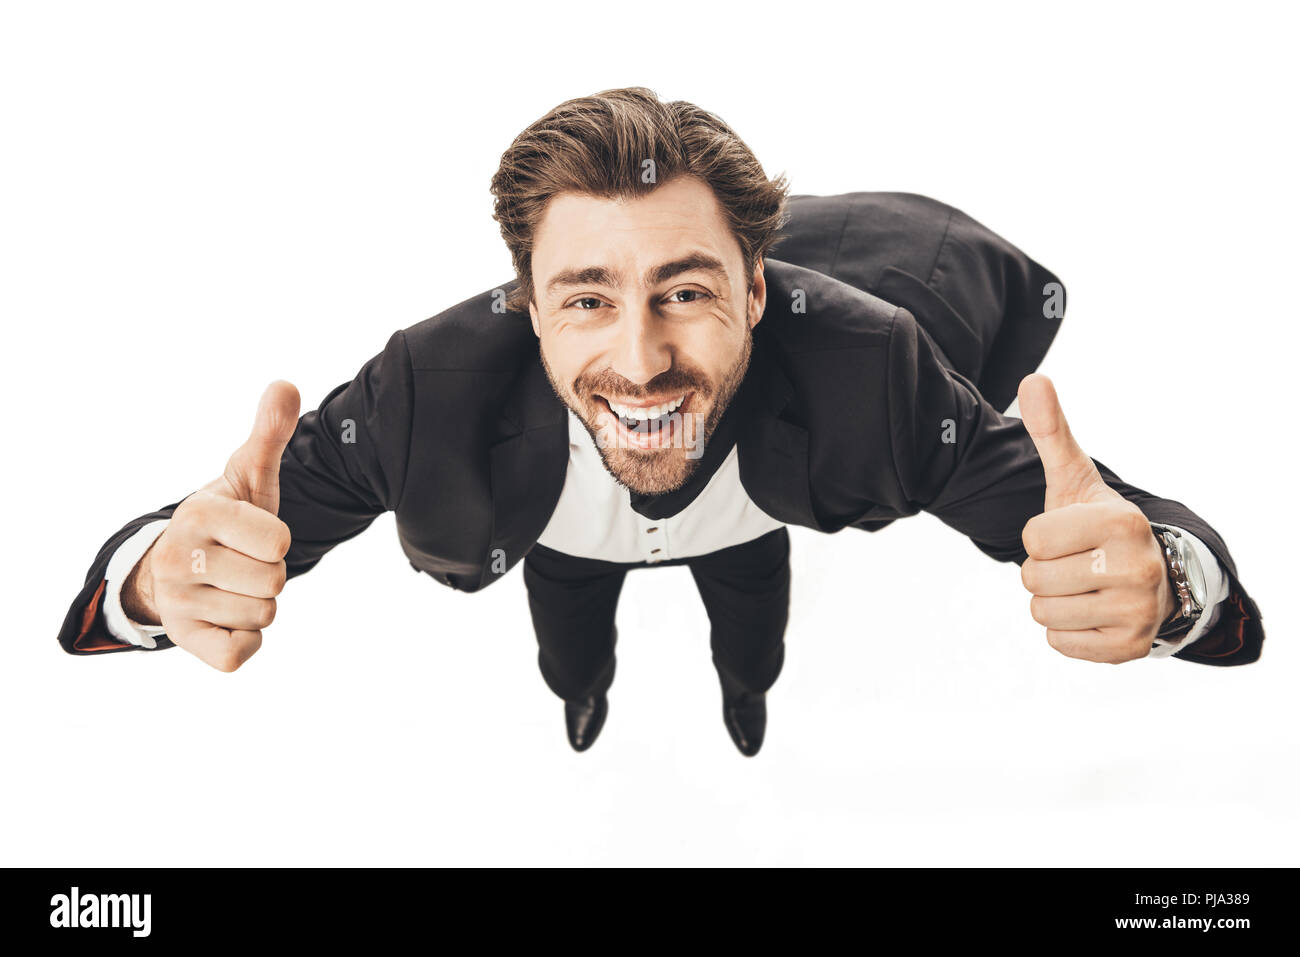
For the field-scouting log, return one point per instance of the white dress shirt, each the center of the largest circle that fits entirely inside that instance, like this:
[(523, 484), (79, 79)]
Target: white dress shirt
[(594, 519)]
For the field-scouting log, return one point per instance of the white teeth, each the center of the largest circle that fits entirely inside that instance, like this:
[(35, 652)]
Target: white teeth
[(652, 412)]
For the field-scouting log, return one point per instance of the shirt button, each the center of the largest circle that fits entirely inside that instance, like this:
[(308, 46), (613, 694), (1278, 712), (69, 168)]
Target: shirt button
[(653, 528), (655, 551)]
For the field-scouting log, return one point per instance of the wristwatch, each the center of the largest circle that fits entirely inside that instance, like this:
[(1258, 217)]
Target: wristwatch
[(1185, 576)]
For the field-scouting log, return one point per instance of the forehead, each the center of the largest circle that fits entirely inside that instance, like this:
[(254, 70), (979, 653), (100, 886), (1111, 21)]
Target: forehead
[(580, 230)]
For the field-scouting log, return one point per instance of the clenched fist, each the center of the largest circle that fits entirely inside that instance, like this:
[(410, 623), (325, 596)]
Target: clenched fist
[(210, 579), (1096, 571)]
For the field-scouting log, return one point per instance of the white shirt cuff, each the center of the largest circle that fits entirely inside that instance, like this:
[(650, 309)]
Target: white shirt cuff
[(1216, 590), (126, 557)]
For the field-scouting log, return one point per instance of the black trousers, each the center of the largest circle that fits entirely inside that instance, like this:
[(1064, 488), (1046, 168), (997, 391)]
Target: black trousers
[(746, 592)]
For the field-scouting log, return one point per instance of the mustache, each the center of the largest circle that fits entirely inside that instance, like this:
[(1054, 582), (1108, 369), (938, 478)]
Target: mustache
[(676, 379)]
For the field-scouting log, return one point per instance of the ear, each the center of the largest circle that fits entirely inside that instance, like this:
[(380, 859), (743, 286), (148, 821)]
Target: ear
[(757, 300), (532, 313)]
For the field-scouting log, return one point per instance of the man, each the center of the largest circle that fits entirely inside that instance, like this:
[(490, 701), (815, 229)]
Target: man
[(654, 389)]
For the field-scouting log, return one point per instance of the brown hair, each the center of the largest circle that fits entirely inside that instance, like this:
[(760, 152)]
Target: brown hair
[(598, 145)]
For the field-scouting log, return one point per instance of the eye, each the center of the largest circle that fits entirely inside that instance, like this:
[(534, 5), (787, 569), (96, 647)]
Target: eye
[(587, 299), (697, 295)]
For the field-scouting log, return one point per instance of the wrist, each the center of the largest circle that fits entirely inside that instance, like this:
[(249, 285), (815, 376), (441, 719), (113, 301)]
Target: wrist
[(137, 593)]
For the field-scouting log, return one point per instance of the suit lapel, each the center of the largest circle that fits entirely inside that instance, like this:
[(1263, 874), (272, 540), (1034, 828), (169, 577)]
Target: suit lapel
[(528, 468), (773, 451)]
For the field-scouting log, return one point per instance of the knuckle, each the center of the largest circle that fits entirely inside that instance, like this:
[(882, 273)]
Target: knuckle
[(279, 577), (1031, 538), (1036, 610), (1151, 614), (184, 512), (265, 613), (1029, 575), (167, 554), (1151, 573), (1114, 516), (195, 510), (235, 653), (228, 660), (1132, 522), (1132, 649), (282, 541)]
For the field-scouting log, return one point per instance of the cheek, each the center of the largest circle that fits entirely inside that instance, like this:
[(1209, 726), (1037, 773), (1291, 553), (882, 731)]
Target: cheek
[(716, 351), (569, 355), (708, 345)]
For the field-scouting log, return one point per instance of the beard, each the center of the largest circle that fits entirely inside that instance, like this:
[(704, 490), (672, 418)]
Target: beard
[(653, 471)]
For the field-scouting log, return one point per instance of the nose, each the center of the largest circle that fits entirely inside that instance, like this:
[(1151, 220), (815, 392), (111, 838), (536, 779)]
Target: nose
[(642, 351)]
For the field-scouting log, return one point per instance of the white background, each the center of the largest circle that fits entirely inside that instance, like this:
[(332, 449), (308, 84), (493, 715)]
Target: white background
[(198, 199)]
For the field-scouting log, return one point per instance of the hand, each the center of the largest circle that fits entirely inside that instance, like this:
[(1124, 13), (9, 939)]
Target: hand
[(1096, 571), (210, 579)]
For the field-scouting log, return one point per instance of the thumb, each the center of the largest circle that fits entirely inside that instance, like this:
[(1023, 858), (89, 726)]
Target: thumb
[(253, 472), (1071, 475)]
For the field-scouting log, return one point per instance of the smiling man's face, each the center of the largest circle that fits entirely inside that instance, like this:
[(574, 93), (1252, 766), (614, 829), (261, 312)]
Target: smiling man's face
[(644, 314)]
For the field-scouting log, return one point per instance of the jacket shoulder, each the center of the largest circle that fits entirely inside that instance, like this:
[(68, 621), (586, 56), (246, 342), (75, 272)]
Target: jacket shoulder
[(854, 236), (808, 311), (476, 335)]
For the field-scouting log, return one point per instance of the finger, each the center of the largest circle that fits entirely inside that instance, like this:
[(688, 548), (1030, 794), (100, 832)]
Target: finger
[(1090, 645), (222, 649), (244, 527), (1078, 612), (233, 571), (254, 469), (1075, 574), (224, 609), (1068, 469), (1065, 531)]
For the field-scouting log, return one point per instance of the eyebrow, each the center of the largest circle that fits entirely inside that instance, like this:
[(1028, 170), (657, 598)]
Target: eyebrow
[(603, 276)]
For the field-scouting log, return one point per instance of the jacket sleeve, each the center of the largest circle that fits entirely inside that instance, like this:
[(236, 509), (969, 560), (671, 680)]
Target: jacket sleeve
[(978, 471), (344, 465)]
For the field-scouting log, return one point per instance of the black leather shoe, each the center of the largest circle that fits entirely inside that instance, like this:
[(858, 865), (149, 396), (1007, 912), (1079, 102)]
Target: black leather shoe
[(584, 718), (746, 719)]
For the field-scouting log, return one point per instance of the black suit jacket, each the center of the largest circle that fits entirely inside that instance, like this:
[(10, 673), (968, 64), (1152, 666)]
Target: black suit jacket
[(891, 319)]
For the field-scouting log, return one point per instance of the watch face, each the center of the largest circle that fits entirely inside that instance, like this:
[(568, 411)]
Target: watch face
[(1195, 576)]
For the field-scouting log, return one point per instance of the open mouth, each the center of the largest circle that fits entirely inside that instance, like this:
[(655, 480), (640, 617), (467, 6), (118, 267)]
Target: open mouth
[(649, 426)]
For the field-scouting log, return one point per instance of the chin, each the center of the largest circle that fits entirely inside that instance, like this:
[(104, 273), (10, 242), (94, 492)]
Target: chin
[(651, 473)]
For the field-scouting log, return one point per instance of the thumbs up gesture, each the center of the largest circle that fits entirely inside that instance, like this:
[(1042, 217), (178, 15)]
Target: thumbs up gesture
[(1096, 571), (210, 579)]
